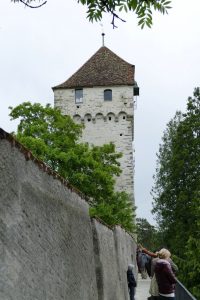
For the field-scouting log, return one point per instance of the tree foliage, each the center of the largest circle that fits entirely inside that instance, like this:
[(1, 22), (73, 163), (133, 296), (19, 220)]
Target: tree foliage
[(148, 235), (112, 214), (95, 9), (163, 190), (55, 139), (177, 186)]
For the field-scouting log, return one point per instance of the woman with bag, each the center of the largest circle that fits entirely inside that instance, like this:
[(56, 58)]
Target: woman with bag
[(153, 290), (165, 277)]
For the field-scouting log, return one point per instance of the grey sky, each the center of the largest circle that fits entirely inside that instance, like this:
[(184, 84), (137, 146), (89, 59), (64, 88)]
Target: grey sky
[(41, 48)]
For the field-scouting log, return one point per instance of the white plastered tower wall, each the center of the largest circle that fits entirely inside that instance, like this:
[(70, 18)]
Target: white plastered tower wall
[(105, 120)]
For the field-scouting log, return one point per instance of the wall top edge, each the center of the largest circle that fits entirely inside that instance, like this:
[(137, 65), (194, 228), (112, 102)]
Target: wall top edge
[(42, 166)]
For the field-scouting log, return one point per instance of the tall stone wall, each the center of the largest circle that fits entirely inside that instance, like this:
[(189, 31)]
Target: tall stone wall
[(50, 249), (114, 250)]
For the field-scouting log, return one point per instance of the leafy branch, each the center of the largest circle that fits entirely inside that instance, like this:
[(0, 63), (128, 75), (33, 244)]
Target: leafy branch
[(95, 9), (142, 8), (27, 3)]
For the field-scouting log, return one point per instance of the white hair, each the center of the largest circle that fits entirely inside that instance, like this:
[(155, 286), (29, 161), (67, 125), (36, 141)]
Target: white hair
[(131, 266)]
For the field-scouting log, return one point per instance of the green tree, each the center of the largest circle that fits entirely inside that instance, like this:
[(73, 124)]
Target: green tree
[(147, 234), (177, 187), (120, 214), (55, 139), (142, 8), (163, 190), (191, 267)]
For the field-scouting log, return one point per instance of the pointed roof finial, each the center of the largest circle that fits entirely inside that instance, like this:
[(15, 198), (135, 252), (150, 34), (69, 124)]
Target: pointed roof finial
[(103, 34)]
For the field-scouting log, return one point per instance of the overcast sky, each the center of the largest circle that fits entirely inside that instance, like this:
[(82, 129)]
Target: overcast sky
[(40, 48)]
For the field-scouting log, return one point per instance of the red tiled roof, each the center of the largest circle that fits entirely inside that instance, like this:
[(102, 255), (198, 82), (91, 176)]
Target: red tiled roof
[(104, 68)]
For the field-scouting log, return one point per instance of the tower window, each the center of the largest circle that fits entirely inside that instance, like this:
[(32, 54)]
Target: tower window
[(107, 95), (78, 95)]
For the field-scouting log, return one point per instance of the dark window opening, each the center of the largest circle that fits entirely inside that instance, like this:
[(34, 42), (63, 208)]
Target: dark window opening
[(124, 117), (77, 106), (107, 95), (89, 120), (120, 134), (109, 118), (78, 95), (136, 91)]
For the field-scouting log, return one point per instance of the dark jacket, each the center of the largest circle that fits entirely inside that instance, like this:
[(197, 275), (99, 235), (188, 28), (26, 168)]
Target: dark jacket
[(131, 279), (165, 277), (154, 261)]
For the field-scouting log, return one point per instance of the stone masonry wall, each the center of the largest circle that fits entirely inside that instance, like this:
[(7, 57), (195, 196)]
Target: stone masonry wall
[(105, 121), (114, 250), (49, 247)]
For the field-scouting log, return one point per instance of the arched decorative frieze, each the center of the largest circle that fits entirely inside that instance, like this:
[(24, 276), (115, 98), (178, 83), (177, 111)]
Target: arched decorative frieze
[(110, 117), (88, 118), (99, 117), (122, 115), (77, 119)]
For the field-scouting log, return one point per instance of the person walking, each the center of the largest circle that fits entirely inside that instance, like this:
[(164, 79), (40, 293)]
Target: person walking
[(131, 282), (165, 277), (142, 260)]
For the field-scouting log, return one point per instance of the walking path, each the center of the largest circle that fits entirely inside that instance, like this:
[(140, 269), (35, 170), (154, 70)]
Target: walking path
[(142, 290)]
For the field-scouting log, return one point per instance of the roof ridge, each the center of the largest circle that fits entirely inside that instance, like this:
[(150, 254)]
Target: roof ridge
[(103, 68), (117, 55), (80, 67)]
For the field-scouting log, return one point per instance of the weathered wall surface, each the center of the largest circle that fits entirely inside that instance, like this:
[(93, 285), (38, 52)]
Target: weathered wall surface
[(114, 250), (105, 122), (46, 234), (49, 247)]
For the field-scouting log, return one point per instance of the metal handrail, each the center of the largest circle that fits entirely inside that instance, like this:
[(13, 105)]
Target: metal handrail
[(182, 293)]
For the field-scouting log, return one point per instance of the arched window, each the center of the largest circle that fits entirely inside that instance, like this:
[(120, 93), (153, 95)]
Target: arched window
[(107, 95)]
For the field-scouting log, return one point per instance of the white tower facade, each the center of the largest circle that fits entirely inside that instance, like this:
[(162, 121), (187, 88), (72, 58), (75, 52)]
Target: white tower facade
[(100, 95)]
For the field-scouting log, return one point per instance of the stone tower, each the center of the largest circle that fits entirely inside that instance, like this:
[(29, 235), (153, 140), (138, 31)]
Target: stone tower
[(101, 95)]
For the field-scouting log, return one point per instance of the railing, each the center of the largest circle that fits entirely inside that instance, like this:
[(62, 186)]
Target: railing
[(182, 293)]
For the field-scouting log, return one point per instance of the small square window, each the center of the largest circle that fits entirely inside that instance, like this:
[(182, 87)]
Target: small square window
[(78, 95)]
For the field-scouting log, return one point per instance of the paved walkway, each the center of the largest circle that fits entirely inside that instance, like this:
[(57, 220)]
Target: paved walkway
[(142, 290)]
